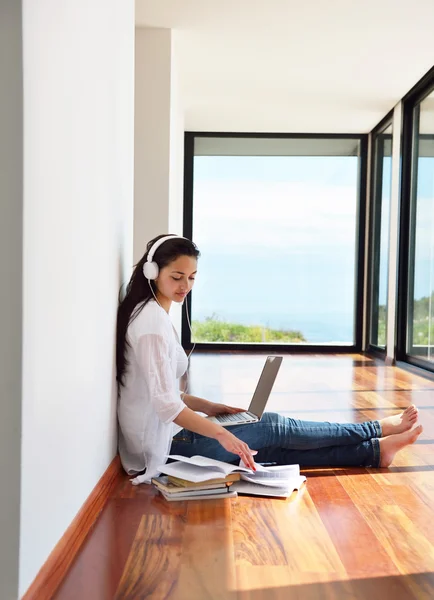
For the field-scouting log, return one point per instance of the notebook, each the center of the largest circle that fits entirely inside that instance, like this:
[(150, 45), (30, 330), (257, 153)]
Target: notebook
[(169, 485), (181, 497), (259, 400)]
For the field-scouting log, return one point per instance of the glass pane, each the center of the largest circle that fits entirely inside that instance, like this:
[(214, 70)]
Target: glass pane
[(420, 334), (380, 224), (277, 235)]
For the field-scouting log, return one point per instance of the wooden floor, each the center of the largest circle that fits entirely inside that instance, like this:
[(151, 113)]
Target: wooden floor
[(350, 533)]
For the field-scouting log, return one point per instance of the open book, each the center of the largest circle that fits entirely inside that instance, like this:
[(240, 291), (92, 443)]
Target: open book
[(278, 481), (200, 468)]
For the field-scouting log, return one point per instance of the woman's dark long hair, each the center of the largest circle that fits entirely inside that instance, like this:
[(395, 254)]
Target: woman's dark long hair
[(138, 292)]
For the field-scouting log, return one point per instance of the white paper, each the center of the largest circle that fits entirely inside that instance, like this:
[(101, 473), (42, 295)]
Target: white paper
[(275, 476), (270, 482), (278, 470), (211, 463)]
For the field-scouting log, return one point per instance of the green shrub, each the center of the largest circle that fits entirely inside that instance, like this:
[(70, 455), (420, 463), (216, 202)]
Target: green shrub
[(212, 329)]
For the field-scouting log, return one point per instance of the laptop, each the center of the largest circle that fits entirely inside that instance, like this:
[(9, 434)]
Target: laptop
[(259, 400)]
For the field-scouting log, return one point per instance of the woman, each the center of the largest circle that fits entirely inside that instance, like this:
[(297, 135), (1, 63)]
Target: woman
[(156, 419)]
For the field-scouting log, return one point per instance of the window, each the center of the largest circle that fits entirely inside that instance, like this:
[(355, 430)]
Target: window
[(276, 221), (420, 317), (382, 180)]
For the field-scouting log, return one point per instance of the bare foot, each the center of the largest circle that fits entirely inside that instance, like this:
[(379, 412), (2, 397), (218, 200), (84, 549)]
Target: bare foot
[(399, 423), (390, 445)]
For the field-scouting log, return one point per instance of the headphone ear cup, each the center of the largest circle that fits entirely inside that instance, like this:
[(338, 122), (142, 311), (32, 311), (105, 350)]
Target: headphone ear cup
[(150, 270)]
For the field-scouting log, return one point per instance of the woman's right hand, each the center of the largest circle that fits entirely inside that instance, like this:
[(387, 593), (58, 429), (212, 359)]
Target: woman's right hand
[(236, 446)]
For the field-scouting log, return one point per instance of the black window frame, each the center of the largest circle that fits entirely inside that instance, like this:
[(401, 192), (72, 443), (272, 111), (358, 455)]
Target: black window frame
[(411, 113), (374, 233), (189, 138)]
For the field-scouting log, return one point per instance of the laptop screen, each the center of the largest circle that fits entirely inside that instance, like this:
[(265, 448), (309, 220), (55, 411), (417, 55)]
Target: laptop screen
[(265, 385)]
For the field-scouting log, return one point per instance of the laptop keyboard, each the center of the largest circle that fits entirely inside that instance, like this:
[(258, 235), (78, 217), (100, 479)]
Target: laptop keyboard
[(236, 418)]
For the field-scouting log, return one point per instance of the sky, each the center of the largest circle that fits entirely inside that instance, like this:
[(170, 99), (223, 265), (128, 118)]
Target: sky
[(277, 236)]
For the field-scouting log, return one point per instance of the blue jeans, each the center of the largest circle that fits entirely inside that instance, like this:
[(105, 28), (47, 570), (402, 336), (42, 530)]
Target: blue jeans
[(286, 441)]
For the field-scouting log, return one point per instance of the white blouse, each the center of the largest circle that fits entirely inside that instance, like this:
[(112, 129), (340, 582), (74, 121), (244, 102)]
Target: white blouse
[(150, 399)]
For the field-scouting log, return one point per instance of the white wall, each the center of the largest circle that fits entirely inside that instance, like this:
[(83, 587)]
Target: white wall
[(11, 236), (78, 208), (177, 127), (153, 48), (158, 142), (158, 138)]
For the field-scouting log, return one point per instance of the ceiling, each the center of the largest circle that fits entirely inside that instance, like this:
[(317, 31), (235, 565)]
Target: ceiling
[(317, 66)]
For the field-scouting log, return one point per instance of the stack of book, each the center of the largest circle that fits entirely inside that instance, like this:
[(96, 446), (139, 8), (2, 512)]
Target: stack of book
[(197, 477), (174, 488), (205, 478)]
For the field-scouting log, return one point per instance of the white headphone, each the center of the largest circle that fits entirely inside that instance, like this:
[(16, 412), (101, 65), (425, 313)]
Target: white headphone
[(150, 268)]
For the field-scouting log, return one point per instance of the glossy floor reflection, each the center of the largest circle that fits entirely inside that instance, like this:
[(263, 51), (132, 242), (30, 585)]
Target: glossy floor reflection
[(350, 533)]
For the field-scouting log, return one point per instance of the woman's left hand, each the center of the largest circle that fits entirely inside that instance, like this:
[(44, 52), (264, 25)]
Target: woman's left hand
[(212, 409)]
